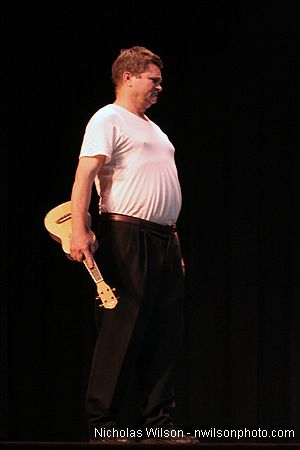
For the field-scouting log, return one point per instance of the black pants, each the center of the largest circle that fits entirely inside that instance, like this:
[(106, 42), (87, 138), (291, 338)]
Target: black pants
[(142, 335)]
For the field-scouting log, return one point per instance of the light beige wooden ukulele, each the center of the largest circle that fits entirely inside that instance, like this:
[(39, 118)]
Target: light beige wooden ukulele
[(59, 225)]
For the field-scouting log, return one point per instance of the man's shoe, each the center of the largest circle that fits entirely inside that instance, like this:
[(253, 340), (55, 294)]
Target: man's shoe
[(110, 435), (171, 439), (112, 440)]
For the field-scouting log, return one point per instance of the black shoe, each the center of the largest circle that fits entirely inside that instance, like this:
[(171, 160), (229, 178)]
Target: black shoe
[(110, 435), (112, 440), (171, 438)]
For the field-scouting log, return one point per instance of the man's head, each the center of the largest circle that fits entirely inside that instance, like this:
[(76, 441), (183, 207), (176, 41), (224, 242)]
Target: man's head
[(134, 60)]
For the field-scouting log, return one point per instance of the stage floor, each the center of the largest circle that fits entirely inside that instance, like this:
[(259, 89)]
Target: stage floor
[(202, 445)]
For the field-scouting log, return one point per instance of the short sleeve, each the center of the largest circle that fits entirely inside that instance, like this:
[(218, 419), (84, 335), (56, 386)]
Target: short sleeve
[(98, 137)]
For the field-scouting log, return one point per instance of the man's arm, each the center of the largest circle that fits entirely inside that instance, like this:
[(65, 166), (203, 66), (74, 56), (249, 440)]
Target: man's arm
[(82, 239)]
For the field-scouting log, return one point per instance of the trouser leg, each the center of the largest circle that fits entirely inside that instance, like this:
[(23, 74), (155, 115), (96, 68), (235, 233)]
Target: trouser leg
[(125, 255), (109, 356), (122, 259), (161, 344)]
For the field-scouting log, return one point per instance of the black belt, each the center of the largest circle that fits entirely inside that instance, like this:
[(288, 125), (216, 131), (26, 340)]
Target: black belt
[(166, 229)]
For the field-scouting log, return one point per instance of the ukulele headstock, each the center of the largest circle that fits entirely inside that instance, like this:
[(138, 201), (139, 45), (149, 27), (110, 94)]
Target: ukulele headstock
[(106, 296)]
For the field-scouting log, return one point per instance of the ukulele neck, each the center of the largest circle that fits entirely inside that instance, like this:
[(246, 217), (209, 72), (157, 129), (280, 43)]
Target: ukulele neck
[(94, 272)]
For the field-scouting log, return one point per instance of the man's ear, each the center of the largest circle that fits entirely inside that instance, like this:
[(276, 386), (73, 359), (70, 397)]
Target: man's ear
[(127, 78)]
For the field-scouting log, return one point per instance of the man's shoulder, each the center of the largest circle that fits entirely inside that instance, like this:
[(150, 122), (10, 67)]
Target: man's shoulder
[(104, 114), (105, 111)]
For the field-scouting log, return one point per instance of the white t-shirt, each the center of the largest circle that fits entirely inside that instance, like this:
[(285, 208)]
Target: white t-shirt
[(139, 177)]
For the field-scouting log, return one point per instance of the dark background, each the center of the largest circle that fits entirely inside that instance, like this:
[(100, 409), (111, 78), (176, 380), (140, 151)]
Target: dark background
[(229, 107)]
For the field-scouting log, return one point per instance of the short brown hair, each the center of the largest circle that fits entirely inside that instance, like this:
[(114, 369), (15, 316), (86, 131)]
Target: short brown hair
[(135, 60)]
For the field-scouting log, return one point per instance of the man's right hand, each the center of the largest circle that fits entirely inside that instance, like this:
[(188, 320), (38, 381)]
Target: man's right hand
[(83, 247)]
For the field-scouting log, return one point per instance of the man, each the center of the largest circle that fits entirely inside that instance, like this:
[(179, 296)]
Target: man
[(132, 164)]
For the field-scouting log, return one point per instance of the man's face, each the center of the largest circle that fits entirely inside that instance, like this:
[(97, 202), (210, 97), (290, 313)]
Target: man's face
[(147, 85)]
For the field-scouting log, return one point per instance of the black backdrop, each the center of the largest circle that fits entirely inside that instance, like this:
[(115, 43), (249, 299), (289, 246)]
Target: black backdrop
[(229, 107)]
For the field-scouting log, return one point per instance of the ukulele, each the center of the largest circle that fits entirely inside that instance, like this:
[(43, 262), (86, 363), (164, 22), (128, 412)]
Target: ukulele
[(58, 223)]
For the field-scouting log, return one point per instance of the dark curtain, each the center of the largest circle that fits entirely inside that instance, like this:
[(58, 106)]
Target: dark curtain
[(240, 227), (230, 106)]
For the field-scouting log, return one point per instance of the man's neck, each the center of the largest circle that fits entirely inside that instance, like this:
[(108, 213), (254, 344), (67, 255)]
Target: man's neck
[(137, 110)]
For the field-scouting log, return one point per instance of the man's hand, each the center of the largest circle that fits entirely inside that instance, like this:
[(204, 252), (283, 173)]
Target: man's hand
[(82, 247), (183, 266)]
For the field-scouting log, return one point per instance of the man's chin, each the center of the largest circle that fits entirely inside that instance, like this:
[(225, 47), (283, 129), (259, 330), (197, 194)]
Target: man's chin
[(151, 102)]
